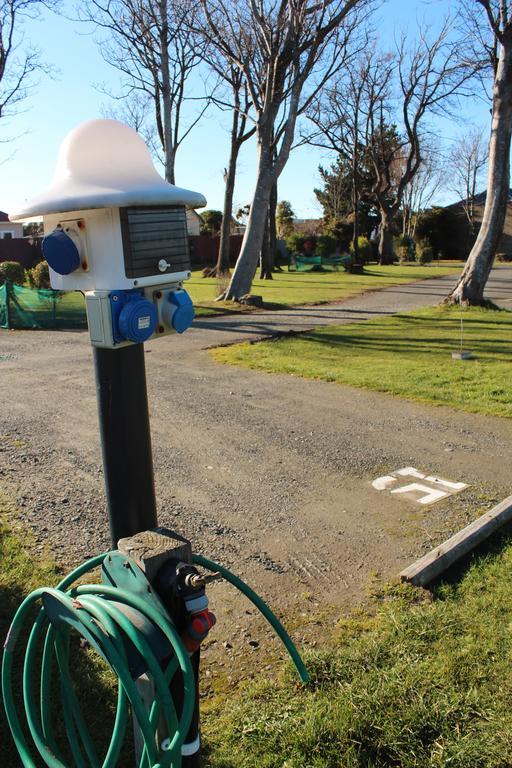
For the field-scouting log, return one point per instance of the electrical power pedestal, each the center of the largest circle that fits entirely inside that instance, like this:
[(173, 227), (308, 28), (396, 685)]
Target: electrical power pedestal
[(116, 231)]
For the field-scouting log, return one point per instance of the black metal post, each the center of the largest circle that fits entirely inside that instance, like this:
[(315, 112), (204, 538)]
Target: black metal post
[(127, 459), (125, 440)]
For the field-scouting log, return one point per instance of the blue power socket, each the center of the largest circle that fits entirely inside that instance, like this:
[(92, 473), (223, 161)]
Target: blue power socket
[(134, 318)]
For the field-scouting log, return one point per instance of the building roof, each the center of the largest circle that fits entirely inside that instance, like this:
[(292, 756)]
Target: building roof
[(479, 199), (308, 226), (4, 216)]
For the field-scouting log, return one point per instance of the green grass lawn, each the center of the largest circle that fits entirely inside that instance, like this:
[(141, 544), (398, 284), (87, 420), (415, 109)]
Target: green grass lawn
[(406, 354), (294, 288), (427, 683), (286, 289)]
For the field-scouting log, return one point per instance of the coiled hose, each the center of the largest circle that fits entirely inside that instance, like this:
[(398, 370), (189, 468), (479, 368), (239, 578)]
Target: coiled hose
[(100, 614)]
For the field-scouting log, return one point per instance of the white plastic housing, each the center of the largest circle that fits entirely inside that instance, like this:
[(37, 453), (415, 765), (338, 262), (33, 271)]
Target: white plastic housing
[(132, 229), (102, 256), (99, 316), (105, 164)]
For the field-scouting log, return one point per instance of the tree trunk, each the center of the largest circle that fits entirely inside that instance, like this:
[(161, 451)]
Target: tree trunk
[(268, 251), (272, 224), (355, 195), (471, 284), (166, 111), (246, 265), (222, 267), (386, 238), (265, 254), (355, 234)]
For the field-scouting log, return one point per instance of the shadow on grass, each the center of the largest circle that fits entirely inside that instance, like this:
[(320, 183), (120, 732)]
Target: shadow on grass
[(484, 349), (491, 547)]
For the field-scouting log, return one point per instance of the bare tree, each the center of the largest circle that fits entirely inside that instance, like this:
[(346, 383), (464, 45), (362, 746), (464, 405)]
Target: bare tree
[(238, 101), (152, 44), (269, 245), (380, 114), (467, 159), (430, 73), (340, 117), (496, 44), (278, 47), (17, 65), (420, 191), (134, 111)]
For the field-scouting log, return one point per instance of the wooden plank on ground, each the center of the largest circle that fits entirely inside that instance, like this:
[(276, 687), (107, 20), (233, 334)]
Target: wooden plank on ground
[(441, 558)]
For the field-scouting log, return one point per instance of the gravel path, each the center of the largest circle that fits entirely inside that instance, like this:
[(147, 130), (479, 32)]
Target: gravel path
[(403, 298), (269, 474)]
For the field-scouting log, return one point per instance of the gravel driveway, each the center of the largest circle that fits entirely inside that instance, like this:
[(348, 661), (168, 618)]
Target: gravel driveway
[(269, 474)]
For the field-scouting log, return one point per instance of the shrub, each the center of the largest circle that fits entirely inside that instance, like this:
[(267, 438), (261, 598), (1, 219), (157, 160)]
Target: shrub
[(448, 232), (503, 257), (309, 246), (342, 231), (40, 276), (295, 243), (424, 252), (325, 246), (403, 247), (365, 249), (13, 271), (212, 222)]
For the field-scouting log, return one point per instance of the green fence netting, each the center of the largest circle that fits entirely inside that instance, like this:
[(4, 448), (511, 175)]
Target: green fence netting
[(22, 307), (301, 263)]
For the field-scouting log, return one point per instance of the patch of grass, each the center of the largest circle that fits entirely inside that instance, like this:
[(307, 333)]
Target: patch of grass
[(425, 683), (295, 288), (407, 355), (285, 290), (20, 574)]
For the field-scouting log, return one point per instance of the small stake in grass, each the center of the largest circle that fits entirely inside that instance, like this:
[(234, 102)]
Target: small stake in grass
[(461, 354)]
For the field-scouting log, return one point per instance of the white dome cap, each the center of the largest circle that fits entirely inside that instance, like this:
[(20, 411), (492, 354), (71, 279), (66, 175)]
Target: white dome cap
[(105, 164)]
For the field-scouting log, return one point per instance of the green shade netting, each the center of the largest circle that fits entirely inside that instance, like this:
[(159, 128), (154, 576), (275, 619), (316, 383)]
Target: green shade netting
[(22, 308)]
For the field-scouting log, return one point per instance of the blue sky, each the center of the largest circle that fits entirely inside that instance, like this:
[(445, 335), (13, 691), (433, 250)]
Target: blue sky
[(57, 104)]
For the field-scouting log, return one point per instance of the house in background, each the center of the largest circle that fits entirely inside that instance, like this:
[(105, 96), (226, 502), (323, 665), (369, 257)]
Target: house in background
[(237, 228), (14, 246), (194, 222), (9, 230), (308, 226), (505, 245)]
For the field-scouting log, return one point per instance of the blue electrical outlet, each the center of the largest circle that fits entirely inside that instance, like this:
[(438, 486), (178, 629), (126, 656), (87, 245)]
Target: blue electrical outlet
[(134, 318), (178, 310)]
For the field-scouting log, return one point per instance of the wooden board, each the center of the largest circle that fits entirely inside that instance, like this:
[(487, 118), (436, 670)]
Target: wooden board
[(441, 558)]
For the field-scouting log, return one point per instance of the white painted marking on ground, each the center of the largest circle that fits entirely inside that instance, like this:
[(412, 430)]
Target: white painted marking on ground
[(430, 490), (452, 486), (382, 483), (428, 495), (410, 472)]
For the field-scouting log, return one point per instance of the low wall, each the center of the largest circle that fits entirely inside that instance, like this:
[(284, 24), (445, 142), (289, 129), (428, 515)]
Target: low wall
[(204, 249)]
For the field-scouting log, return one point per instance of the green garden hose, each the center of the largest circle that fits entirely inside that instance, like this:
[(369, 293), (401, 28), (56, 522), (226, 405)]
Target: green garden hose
[(263, 608), (101, 615)]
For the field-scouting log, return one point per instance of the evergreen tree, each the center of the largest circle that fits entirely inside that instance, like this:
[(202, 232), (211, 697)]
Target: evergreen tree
[(285, 217)]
